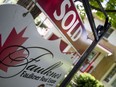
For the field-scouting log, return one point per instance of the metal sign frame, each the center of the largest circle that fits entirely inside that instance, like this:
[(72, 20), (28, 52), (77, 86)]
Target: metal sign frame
[(98, 34)]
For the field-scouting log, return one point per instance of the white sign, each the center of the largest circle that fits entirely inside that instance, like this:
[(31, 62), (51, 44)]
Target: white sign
[(26, 59)]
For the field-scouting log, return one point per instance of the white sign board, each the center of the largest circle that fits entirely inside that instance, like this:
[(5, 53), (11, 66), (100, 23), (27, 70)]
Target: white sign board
[(26, 59)]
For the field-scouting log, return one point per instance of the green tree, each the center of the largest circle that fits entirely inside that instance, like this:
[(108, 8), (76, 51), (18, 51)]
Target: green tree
[(109, 7)]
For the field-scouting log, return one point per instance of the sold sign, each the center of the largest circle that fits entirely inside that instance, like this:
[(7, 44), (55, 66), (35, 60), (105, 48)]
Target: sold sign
[(65, 17)]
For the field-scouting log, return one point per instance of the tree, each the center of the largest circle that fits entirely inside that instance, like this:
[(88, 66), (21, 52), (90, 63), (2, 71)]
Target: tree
[(109, 7), (84, 80)]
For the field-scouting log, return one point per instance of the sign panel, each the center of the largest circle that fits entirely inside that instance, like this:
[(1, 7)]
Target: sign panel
[(65, 17), (26, 59)]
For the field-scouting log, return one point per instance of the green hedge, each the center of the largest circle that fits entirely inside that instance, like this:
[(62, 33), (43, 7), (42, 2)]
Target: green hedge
[(84, 80)]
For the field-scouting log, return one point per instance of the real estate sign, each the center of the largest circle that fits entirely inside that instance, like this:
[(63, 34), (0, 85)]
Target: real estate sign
[(65, 17), (26, 59)]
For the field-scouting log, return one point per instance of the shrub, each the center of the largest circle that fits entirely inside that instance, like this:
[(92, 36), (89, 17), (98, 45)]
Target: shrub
[(84, 80)]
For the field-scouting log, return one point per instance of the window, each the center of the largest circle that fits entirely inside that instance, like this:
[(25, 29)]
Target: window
[(87, 65), (108, 33), (111, 74)]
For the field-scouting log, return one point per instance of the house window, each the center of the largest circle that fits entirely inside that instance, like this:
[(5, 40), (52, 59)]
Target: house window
[(108, 33), (111, 74), (87, 65)]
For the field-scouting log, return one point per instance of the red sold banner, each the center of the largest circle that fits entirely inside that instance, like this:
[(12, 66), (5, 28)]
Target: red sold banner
[(65, 17)]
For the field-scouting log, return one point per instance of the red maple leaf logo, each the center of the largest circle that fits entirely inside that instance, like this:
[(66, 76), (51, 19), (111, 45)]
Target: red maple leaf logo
[(9, 51)]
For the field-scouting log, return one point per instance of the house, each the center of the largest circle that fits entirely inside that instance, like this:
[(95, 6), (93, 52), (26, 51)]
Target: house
[(106, 68)]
